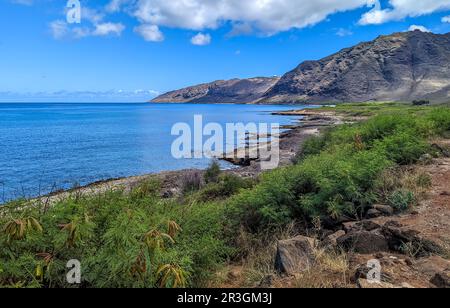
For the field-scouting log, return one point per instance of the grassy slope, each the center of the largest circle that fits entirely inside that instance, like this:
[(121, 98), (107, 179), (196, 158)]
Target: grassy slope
[(141, 240)]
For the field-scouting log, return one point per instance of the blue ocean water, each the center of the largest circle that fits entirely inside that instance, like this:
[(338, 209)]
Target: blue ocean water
[(46, 147)]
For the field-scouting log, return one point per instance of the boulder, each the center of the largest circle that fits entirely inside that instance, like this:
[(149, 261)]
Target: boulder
[(295, 255), (384, 209), (401, 238), (366, 225), (331, 240), (442, 279), (373, 213), (364, 242)]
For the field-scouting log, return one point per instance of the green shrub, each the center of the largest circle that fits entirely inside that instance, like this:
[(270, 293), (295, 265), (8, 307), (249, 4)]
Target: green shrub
[(226, 186), (440, 117), (213, 172), (404, 148), (402, 200), (121, 240)]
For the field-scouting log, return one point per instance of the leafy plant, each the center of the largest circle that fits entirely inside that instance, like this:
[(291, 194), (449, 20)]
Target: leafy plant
[(17, 229), (213, 172), (171, 275), (402, 200)]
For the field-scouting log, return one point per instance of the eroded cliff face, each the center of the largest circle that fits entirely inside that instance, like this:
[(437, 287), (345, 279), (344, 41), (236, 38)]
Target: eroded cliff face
[(402, 66)]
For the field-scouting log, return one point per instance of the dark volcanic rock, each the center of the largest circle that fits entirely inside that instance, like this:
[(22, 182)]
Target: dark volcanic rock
[(402, 66), (295, 255), (364, 242), (442, 280), (222, 91)]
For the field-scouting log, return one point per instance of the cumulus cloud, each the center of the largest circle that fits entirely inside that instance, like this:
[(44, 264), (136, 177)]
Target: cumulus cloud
[(150, 33), (92, 24), (446, 19), (400, 9), (420, 28), (268, 16), (201, 39)]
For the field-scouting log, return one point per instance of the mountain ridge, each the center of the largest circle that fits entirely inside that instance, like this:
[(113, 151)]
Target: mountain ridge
[(402, 66)]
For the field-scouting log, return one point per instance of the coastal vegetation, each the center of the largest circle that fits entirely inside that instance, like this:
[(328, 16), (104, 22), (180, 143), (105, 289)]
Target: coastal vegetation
[(139, 238)]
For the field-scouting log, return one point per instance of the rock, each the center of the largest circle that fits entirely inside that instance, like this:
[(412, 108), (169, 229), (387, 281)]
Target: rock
[(349, 226), (373, 213), (400, 239), (366, 284), (331, 240), (363, 271), (266, 282), (393, 223), (295, 255), (366, 225), (432, 265), (442, 280), (364, 242), (385, 209), (445, 193), (406, 285)]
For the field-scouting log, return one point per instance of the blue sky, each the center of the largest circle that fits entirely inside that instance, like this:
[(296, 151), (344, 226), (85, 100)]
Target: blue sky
[(130, 50)]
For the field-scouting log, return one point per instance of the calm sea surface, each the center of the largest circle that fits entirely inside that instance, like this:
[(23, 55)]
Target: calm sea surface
[(44, 147)]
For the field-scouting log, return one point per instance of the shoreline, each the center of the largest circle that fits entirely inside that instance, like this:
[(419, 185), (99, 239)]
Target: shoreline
[(310, 123)]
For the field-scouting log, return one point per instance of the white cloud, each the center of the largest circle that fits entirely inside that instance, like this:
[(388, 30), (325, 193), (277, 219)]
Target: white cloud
[(446, 19), (59, 29), (150, 33), (400, 9), (92, 24), (267, 16), (420, 28), (201, 39), (343, 32), (108, 28)]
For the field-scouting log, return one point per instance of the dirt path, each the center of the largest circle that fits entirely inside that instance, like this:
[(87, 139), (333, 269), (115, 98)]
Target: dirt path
[(432, 216)]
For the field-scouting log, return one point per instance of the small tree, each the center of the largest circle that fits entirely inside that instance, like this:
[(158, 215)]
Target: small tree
[(213, 172), (421, 102)]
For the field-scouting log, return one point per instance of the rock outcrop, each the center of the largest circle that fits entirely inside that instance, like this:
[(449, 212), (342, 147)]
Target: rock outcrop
[(295, 255), (399, 67)]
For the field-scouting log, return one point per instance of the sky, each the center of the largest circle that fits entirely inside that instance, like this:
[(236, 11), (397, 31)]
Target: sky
[(132, 50)]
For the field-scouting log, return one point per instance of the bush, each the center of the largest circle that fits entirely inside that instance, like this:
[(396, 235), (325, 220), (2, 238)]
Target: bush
[(402, 200), (403, 148), (226, 186), (213, 172), (121, 240), (191, 181), (421, 102)]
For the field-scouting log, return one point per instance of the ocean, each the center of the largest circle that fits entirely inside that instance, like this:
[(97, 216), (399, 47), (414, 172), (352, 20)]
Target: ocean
[(47, 147)]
